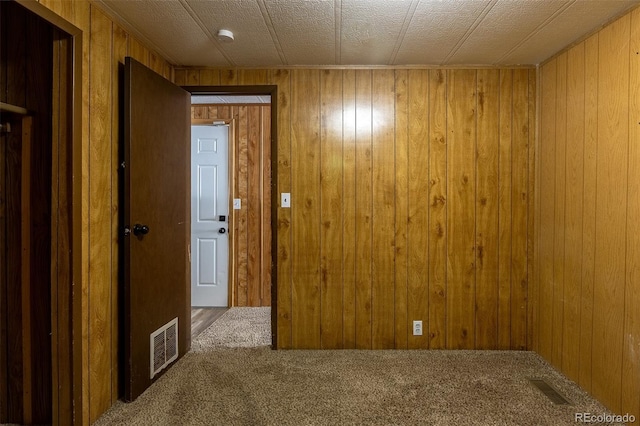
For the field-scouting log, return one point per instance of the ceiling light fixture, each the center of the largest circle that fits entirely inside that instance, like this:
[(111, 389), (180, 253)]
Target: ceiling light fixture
[(225, 36)]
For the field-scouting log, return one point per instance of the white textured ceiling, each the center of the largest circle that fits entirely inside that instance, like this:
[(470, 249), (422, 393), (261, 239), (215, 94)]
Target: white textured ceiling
[(361, 32), (229, 99)]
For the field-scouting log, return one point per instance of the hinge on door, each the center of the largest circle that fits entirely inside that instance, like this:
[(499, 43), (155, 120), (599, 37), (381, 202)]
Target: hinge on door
[(122, 165)]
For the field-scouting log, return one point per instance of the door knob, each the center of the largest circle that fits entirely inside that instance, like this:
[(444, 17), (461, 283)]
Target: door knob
[(222, 231), (140, 229)]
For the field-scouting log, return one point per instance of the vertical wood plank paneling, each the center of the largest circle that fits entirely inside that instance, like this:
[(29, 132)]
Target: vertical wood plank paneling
[(401, 332), (589, 209), (383, 255), (209, 77), (180, 77), (192, 77), (600, 343), (331, 246), (364, 199), (156, 63), (252, 77), (612, 157), (265, 249), (305, 198), (631, 347), (242, 216), (214, 112), (532, 229), (141, 54), (349, 206), (461, 146), (254, 203), (282, 79), (559, 216), (486, 200), (101, 58), (418, 206), (228, 77), (574, 208), (505, 235), (438, 205), (519, 209), (547, 206), (82, 19)]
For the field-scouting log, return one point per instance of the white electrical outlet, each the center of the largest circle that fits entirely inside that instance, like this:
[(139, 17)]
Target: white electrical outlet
[(237, 203), (285, 200), (417, 328)]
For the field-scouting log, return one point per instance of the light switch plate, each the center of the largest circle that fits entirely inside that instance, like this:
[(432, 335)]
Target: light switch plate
[(285, 200), (237, 203)]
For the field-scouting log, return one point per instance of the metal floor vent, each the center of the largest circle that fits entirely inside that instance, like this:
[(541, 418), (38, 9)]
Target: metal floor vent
[(550, 392), (163, 346)]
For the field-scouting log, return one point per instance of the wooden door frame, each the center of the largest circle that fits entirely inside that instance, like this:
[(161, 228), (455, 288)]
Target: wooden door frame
[(66, 235), (271, 90)]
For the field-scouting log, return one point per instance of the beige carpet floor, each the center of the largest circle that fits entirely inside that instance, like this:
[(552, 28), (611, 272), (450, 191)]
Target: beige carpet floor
[(219, 385)]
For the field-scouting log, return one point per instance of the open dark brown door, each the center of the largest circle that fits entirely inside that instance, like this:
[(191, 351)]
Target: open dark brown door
[(157, 225)]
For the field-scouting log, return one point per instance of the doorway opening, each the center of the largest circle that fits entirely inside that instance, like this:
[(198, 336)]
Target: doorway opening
[(250, 114), (40, 201)]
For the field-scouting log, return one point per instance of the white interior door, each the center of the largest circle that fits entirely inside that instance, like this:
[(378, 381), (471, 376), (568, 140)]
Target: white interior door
[(209, 215)]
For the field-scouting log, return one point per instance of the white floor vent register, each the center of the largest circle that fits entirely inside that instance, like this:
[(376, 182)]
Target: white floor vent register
[(163, 346)]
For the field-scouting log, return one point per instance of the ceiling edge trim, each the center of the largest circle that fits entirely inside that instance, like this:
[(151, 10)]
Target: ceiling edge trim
[(366, 67)]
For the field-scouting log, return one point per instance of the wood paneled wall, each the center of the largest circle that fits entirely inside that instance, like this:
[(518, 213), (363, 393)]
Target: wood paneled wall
[(105, 45), (412, 199), (251, 236), (589, 210)]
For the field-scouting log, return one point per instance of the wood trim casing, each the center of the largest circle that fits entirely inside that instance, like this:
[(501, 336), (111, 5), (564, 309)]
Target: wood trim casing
[(271, 90), (69, 228)]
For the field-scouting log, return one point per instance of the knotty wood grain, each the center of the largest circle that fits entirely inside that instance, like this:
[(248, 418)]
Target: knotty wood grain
[(383, 254), (418, 206), (486, 200), (305, 197), (438, 205), (364, 206), (612, 193), (574, 206), (559, 209), (505, 233), (331, 243), (547, 206), (100, 199), (589, 210), (461, 191), (284, 315), (401, 331), (349, 206), (519, 209), (631, 346)]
